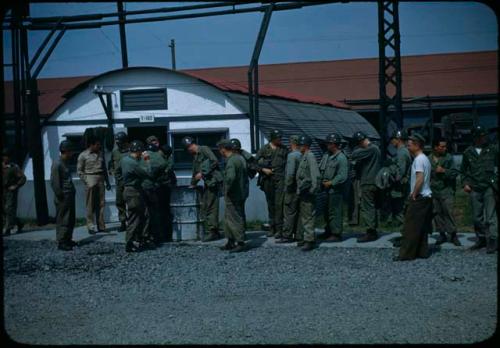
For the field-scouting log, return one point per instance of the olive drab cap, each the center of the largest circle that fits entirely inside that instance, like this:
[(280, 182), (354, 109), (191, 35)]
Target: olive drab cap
[(305, 140), (226, 144), (399, 134), (333, 138), (151, 139), (236, 144), (136, 146), (152, 147), (478, 131), (186, 141), (417, 137), (358, 136), (276, 134), (65, 145), (121, 137), (294, 139)]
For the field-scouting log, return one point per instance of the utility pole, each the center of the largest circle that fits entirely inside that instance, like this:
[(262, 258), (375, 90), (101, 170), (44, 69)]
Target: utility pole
[(123, 37), (172, 50)]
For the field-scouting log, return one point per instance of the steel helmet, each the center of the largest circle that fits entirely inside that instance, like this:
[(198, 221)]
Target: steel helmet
[(136, 146), (186, 141), (276, 134), (333, 138), (305, 140), (358, 136), (236, 144)]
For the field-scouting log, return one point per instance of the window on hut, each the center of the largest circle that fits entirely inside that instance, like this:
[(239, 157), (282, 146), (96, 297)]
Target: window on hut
[(144, 99)]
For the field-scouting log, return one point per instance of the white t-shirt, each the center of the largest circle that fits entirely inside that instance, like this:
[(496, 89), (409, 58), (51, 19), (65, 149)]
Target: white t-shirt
[(421, 164)]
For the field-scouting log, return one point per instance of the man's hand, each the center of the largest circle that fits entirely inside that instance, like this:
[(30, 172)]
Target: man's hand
[(145, 156), (12, 187), (327, 184), (413, 196), (267, 171), (198, 176), (467, 189), (440, 169)]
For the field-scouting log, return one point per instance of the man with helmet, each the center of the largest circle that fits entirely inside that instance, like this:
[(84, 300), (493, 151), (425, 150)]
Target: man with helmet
[(64, 197), (334, 169), (120, 150), (206, 167), (133, 175), (235, 195), (251, 162), (13, 178), (479, 178), (167, 182), (366, 160), (271, 162), (307, 187), (291, 199)]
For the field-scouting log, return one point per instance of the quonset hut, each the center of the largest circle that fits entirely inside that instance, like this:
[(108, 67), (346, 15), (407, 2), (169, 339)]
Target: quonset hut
[(171, 104)]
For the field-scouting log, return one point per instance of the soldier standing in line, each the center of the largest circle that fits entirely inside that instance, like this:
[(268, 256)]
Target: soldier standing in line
[(479, 177), (307, 188), (443, 186), (251, 162), (235, 195), (133, 176), (92, 172), (64, 193), (206, 167), (120, 150), (366, 159), (334, 169), (271, 162), (13, 179), (167, 182), (291, 200)]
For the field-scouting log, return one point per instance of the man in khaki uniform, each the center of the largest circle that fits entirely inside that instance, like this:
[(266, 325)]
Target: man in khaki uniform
[(91, 170), (206, 167), (120, 150), (13, 178), (307, 187)]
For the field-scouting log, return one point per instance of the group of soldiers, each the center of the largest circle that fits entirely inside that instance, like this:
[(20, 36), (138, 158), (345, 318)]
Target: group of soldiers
[(291, 179)]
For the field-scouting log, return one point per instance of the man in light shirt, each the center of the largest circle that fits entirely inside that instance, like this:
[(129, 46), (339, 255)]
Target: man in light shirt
[(418, 216)]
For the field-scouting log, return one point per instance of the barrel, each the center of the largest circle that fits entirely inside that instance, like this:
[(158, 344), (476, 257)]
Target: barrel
[(185, 207)]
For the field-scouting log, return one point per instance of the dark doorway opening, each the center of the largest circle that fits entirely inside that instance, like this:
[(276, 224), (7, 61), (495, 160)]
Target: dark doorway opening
[(142, 133)]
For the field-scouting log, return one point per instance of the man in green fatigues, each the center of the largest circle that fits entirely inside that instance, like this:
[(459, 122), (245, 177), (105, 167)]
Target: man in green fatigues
[(443, 186), (334, 169), (307, 188), (64, 193), (235, 195), (133, 176), (479, 177), (366, 159), (291, 200), (271, 163), (250, 160), (167, 182), (120, 150), (206, 167), (13, 178)]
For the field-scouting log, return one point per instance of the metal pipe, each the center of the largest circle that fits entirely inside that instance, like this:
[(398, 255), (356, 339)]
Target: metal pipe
[(381, 76), (44, 43), (251, 112), (123, 38), (256, 107), (49, 52), (172, 51), (16, 95)]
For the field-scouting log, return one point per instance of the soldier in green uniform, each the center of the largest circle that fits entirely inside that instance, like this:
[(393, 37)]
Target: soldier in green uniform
[(334, 169), (271, 163), (120, 150), (64, 197), (13, 179), (443, 186), (206, 167), (167, 182), (235, 195), (479, 177), (307, 187), (133, 175), (366, 159), (291, 200)]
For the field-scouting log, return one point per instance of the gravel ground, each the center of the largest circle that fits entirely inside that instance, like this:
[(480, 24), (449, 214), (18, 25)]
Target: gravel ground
[(185, 294)]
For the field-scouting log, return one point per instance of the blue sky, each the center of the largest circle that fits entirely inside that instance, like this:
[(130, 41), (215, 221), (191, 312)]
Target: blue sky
[(326, 32)]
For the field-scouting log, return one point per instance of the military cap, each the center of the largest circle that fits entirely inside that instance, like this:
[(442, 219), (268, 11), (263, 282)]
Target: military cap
[(236, 143), (333, 138), (305, 140), (186, 141), (417, 137), (478, 131), (151, 139), (358, 136), (167, 150), (152, 147), (399, 134), (226, 144), (121, 137), (136, 146), (65, 145), (276, 134), (294, 139)]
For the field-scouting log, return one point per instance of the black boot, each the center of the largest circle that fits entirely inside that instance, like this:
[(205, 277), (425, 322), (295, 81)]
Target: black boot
[(454, 239), (239, 248), (308, 246), (123, 227), (370, 236), (228, 246), (214, 235), (20, 226), (64, 246), (491, 246), (441, 239), (131, 248), (480, 243)]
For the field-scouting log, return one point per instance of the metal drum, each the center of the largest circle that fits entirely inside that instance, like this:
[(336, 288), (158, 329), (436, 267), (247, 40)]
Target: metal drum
[(185, 206)]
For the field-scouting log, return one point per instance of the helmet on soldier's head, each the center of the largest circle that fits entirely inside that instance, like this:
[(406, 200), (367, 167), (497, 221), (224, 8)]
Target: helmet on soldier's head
[(358, 136), (236, 144), (276, 134), (399, 134), (294, 139), (152, 147), (187, 141), (121, 137), (226, 144), (333, 138), (64, 146), (478, 131), (305, 140), (136, 146)]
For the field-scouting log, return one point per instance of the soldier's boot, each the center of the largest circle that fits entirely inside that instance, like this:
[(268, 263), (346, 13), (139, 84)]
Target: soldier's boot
[(284, 240), (72, 243), (308, 246), (64, 246), (369, 236), (396, 241), (20, 226), (239, 248), (480, 243), (130, 247), (324, 235), (491, 245), (123, 227), (228, 246), (213, 235), (454, 239), (441, 239), (300, 243), (334, 238)]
